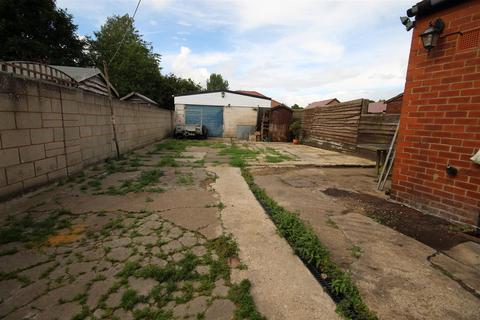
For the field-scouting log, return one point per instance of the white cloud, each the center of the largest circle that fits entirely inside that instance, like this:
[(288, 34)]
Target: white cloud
[(184, 23), (181, 66), (296, 51), (305, 50)]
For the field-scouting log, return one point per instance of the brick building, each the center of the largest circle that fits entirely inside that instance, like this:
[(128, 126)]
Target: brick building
[(440, 116), (394, 105)]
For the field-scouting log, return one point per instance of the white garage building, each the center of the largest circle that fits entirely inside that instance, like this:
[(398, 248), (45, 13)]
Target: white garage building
[(225, 113)]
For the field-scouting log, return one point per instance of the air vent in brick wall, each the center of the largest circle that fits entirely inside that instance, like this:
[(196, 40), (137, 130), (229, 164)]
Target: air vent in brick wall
[(470, 39)]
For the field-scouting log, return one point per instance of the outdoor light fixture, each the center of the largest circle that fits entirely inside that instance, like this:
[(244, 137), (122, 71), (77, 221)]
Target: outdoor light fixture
[(223, 94), (432, 33), (409, 24)]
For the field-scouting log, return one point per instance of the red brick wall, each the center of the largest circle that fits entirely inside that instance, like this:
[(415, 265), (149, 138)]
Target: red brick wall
[(394, 106), (440, 120)]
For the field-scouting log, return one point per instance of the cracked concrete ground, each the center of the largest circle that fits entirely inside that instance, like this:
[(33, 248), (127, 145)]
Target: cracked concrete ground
[(398, 276), (131, 239), (137, 239)]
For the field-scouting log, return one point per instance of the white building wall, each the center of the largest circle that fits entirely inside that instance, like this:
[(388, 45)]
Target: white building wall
[(216, 99)]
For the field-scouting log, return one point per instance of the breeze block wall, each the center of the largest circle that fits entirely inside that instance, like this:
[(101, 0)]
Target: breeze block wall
[(440, 119), (49, 131)]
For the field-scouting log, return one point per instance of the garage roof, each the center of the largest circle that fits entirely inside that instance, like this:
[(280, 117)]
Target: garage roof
[(229, 91), (223, 98)]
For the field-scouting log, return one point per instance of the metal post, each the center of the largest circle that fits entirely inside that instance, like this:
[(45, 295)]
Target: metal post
[(380, 179)]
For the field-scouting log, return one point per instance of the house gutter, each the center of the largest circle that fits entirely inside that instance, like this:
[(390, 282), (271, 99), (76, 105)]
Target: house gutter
[(427, 7)]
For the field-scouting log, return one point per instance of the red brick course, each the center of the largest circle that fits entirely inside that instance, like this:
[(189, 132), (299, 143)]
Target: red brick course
[(440, 120)]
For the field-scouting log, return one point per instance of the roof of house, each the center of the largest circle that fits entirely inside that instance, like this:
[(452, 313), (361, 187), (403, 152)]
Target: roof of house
[(274, 104), (322, 103), (281, 106), (252, 93), (141, 96), (83, 73), (398, 96), (377, 107)]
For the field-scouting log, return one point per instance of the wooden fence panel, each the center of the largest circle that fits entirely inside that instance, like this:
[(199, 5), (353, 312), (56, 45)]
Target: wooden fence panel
[(377, 128), (333, 126)]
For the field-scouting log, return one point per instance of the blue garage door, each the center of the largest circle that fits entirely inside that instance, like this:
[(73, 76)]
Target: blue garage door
[(210, 117)]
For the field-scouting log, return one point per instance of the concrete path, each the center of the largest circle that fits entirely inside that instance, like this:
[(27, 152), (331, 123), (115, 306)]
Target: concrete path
[(394, 273), (282, 287)]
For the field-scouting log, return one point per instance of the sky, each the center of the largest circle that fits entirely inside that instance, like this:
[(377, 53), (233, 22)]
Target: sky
[(295, 51)]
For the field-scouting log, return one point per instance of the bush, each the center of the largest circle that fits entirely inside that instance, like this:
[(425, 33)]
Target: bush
[(295, 128)]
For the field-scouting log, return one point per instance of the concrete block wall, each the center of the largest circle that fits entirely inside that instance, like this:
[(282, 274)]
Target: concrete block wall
[(48, 131), (235, 116)]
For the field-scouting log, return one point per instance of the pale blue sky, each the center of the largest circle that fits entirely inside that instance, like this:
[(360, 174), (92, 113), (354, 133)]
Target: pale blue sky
[(296, 51)]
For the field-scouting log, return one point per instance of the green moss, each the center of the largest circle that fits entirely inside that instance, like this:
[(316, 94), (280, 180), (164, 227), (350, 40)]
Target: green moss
[(30, 230), (185, 179), (238, 155), (149, 314), (356, 251), (167, 161)]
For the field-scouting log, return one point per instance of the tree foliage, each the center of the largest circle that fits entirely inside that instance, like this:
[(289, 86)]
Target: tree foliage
[(36, 30), (172, 85), (135, 66), (216, 82), (296, 106)]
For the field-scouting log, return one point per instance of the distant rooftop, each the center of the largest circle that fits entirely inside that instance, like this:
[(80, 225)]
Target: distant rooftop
[(323, 103), (139, 95)]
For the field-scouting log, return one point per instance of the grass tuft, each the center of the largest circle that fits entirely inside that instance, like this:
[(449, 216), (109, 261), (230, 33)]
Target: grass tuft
[(129, 299), (146, 178), (240, 295), (225, 246)]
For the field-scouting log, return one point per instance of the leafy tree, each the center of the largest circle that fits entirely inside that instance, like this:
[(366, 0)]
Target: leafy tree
[(216, 82), (36, 30), (296, 106), (172, 85), (135, 67)]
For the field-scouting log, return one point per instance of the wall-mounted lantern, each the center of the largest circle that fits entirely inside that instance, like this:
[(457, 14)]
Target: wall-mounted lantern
[(223, 94), (432, 33)]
